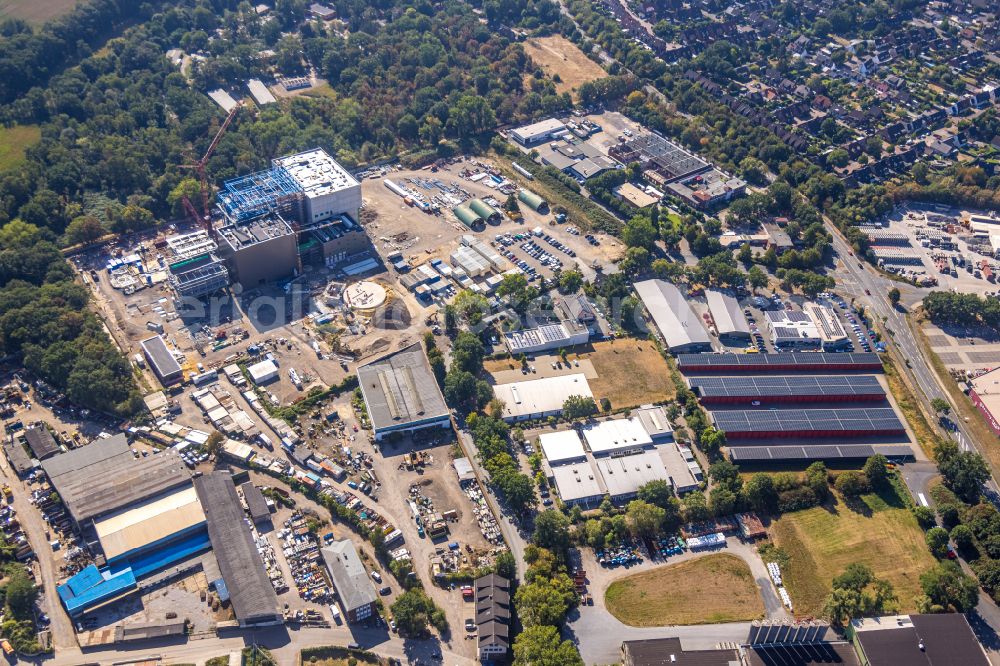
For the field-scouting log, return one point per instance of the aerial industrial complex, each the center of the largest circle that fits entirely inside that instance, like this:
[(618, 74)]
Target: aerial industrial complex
[(303, 211), (148, 521)]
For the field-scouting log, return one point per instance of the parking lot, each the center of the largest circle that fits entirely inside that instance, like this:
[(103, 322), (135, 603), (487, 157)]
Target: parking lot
[(754, 307), (421, 236), (944, 250)]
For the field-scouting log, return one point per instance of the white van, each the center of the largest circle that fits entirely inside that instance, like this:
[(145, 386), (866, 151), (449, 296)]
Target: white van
[(335, 613)]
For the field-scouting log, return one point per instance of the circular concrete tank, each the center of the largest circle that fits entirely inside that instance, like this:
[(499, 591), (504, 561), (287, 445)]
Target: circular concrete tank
[(364, 296)]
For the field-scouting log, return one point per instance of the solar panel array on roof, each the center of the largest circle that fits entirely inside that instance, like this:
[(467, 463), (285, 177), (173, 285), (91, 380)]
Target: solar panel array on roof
[(766, 386), (814, 452), (803, 360), (876, 420)]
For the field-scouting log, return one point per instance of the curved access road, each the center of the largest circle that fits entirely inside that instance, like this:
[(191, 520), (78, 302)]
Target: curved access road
[(599, 634)]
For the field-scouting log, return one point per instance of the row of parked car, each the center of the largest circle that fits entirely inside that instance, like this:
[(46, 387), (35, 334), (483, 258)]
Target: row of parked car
[(558, 245)]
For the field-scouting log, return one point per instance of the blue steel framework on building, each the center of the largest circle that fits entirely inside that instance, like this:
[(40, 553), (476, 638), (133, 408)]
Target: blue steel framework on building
[(256, 194)]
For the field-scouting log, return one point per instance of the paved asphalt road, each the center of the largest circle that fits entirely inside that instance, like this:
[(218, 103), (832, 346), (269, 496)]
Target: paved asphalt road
[(283, 643), (860, 281), (866, 286)]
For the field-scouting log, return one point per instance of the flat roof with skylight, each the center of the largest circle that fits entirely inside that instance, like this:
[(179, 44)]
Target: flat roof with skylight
[(316, 172), (537, 398), (616, 435)]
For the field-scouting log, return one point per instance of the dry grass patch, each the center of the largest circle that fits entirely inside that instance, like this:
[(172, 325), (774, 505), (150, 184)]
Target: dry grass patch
[(558, 55), (630, 373), (15, 140), (926, 437), (707, 590), (34, 11), (879, 531)]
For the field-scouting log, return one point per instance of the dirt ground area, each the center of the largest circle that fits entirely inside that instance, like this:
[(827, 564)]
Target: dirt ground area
[(556, 55), (70, 424), (629, 372), (436, 482), (182, 596)]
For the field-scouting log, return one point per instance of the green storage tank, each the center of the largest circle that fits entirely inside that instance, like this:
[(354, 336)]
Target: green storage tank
[(531, 200), (467, 216), (484, 210)]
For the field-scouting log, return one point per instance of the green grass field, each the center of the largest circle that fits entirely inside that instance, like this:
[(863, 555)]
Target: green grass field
[(707, 590), (14, 141), (879, 531), (35, 11)]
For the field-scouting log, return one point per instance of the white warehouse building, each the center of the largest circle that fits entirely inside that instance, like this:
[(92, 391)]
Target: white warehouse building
[(679, 326)]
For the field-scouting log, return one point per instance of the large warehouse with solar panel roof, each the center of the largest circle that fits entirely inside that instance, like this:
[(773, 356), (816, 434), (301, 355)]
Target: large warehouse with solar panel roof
[(716, 390), (785, 423), (759, 401), (782, 362)]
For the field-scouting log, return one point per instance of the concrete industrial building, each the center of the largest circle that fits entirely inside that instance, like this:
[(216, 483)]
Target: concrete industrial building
[(328, 187), (41, 442), (808, 423), (260, 93), (18, 458), (103, 477), (540, 132), (815, 326), (779, 389), (263, 372), (832, 334), (668, 166), (634, 196), (945, 639), (161, 360), (730, 324), (616, 437), (401, 393), (781, 362), (562, 447), (792, 329), (679, 326), (144, 525), (244, 581), (301, 212), (140, 517), (548, 336), (256, 503), (539, 398), (669, 652), (615, 458), (350, 579)]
